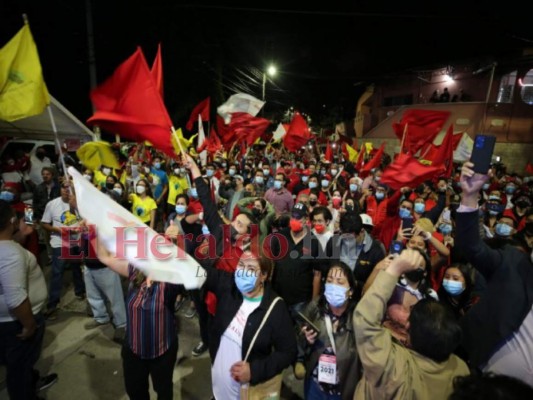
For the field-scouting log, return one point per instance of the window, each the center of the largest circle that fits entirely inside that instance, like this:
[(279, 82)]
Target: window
[(526, 90), (506, 91)]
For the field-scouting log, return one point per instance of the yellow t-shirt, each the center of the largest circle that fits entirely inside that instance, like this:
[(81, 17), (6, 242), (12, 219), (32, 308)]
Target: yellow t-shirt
[(176, 185), (142, 208)]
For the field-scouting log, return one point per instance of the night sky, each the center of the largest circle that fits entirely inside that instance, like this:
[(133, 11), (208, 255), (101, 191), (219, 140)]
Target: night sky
[(325, 54)]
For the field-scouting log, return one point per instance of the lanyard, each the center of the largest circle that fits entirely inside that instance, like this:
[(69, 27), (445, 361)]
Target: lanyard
[(329, 328)]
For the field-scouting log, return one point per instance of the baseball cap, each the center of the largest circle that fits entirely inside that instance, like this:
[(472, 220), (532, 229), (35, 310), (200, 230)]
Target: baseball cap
[(306, 172), (367, 219), (299, 211)]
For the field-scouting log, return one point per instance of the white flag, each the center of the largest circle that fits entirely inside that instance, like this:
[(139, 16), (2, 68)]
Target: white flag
[(240, 102), (279, 132), (464, 149), (201, 140), (125, 235)]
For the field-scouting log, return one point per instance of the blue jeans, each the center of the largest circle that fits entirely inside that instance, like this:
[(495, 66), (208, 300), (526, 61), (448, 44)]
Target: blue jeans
[(56, 281), (294, 309), (19, 357), (312, 392), (102, 284)]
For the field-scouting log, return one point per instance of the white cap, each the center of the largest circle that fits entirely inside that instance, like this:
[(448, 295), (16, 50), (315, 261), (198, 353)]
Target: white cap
[(367, 219)]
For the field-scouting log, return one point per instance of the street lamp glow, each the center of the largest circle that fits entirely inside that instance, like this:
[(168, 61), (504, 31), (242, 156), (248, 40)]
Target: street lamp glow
[(271, 70)]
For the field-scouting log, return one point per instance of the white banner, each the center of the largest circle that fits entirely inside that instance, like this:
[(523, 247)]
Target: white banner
[(125, 235), (464, 149), (240, 102)]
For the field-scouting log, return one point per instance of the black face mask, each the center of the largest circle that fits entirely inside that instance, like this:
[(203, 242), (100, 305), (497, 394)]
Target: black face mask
[(523, 204), (233, 233), (312, 203), (246, 193), (40, 156), (349, 208), (109, 186), (415, 276), (256, 213)]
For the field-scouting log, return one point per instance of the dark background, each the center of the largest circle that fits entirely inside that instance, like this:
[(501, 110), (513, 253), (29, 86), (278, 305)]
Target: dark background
[(326, 53)]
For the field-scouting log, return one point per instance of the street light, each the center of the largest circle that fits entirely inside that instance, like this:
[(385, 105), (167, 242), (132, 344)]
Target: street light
[(271, 70)]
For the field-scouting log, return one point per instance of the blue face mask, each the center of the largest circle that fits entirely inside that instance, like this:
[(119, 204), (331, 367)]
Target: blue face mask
[(277, 185), (312, 185), (353, 187), (380, 195), (445, 229), (503, 230), (335, 294), (486, 186), (157, 165), (305, 178), (193, 192), (324, 183), (180, 208), (231, 172), (205, 230), (404, 213), (245, 280), (7, 196), (510, 189), (420, 208), (454, 288), (209, 173), (259, 180)]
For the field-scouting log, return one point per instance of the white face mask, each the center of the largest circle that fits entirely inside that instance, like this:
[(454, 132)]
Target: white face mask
[(106, 171), (140, 189), (88, 177), (177, 171), (118, 190)]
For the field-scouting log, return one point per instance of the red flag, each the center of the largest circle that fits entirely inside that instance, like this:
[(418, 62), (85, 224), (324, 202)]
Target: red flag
[(407, 171), (298, 133), (329, 153), (374, 162), (442, 155), (360, 159), (201, 108), (129, 103), (157, 71), (211, 144), (529, 168), (247, 128), (423, 127)]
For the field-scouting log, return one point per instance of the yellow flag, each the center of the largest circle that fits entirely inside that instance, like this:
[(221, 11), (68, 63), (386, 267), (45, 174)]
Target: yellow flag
[(352, 153), (369, 147), (95, 154), (185, 143), (23, 92)]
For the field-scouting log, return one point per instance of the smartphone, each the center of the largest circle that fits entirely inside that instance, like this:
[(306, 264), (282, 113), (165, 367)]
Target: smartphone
[(482, 153), (307, 323), (447, 215), (396, 247), (407, 223), (28, 215)]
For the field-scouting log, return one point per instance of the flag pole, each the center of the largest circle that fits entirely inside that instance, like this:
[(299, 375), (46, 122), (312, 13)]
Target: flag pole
[(403, 137), (54, 128)]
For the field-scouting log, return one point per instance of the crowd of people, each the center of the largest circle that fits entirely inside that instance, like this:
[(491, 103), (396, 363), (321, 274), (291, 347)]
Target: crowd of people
[(365, 292)]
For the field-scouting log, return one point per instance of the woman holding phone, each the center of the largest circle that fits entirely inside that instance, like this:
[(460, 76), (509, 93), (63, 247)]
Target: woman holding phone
[(332, 364)]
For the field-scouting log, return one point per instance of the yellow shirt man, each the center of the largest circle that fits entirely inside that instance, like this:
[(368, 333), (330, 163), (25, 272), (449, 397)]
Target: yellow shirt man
[(176, 185)]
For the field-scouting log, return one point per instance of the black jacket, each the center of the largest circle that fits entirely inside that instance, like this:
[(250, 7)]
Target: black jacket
[(275, 346), (41, 198), (508, 297)]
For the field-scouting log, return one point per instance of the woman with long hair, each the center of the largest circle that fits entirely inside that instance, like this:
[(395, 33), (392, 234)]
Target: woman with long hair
[(334, 344), (143, 205)]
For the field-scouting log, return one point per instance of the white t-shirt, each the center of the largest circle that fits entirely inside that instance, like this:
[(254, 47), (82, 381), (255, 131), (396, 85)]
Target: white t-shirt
[(229, 352), (59, 215), (20, 277)]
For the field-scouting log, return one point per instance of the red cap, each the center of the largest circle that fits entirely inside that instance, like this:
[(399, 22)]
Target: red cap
[(327, 176), (306, 172)]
